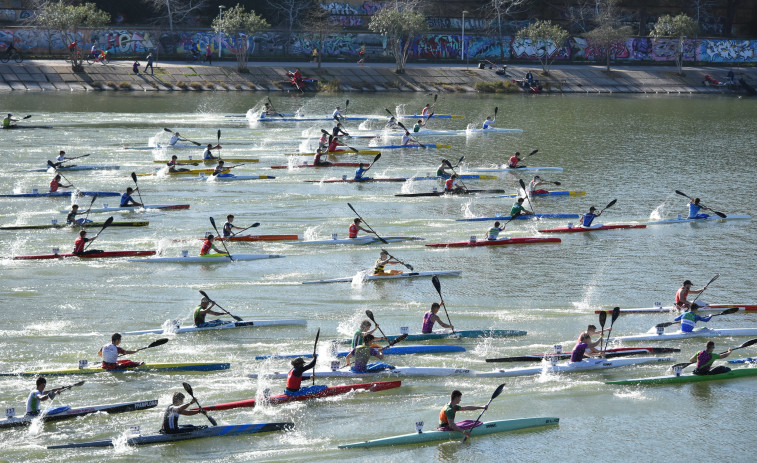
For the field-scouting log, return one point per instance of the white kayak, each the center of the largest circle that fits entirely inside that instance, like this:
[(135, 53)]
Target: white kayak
[(73, 168), (700, 333), (359, 240), (346, 372), (133, 208), (209, 259), (443, 273), (503, 168), (588, 364), (442, 132), (228, 177), (160, 146), (659, 308), (226, 325), (713, 217)]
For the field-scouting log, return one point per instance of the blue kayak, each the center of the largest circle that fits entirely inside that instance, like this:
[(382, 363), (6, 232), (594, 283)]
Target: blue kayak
[(395, 350), (746, 360), (61, 193), (522, 217), (397, 147), (549, 193)]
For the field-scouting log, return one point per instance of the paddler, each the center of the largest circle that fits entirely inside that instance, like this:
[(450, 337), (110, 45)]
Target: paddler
[(208, 245), (431, 317), (204, 309), (425, 112), (518, 208), (488, 123), (512, 163), (220, 168), (334, 143), (419, 125), (175, 139), (173, 163), (268, 110), (337, 115), (533, 186), (383, 260), (589, 217), (38, 395), (229, 226), (392, 124), (694, 209), (362, 353), (294, 378), (355, 228), (110, 353), (127, 200), (447, 415), (323, 142), (339, 130), (172, 413), (365, 329), (591, 330), (55, 184), (441, 171), (705, 358), (493, 233), (581, 348), (7, 121), (407, 141), (689, 318), (80, 243), (451, 186), (360, 171), (207, 154), (682, 295), (317, 160), (60, 159)]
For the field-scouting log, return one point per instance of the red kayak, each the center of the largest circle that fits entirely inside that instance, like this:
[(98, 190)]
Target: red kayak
[(588, 229), (94, 255), (610, 353), (499, 242), (333, 164), (328, 392)]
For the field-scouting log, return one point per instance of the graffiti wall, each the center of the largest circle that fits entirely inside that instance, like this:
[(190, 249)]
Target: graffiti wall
[(124, 42)]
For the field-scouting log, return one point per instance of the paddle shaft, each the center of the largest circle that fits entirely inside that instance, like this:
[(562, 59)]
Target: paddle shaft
[(134, 177), (366, 224), (315, 351), (256, 224), (223, 242), (437, 284), (717, 275), (496, 393), (239, 319)]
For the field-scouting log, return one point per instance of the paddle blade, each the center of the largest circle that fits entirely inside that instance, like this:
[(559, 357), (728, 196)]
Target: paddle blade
[(213, 222), (437, 284), (681, 365), (167, 130), (729, 311), (256, 224), (611, 203), (369, 314), (347, 103), (317, 335), (50, 163), (615, 314), (533, 152), (496, 109), (82, 382), (602, 318), (717, 275), (522, 184), (436, 95), (678, 192), (498, 391), (378, 156), (134, 177), (353, 209), (748, 343), (664, 325), (204, 294), (188, 388), (447, 163), (402, 125), (400, 338), (390, 113), (107, 223), (211, 419), (158, 342), (218, 135), (557, 183), (460, 160)]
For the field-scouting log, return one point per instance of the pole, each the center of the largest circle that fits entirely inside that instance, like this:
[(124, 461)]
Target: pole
[(220, 17), (462, 39)]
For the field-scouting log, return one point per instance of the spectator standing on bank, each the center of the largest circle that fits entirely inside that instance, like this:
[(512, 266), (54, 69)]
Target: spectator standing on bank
[(208, 54), (149, 64)]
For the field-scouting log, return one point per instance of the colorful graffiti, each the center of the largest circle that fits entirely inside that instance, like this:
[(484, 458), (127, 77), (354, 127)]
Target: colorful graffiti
[(344, 8), (528, 49), (727, 51)]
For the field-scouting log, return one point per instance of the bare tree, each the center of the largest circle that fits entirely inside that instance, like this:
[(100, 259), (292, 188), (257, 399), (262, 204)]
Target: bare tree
[(609, 29), (175, 11), (317, 22), (506, 8), (291, 13)]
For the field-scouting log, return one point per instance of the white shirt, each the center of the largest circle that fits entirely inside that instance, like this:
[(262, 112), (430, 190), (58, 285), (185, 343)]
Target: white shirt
[(173, 141), (110, 353), (337, 113), (405, 139), (61, 158), (488, 123), (32, 403), (207, 154)]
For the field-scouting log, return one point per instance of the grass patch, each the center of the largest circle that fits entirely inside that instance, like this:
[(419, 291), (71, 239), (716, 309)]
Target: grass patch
[(500, 86), (111, 84), (124, 85), (196, 86), (182, 85), (209, 84), (96, 84), (331, 86), (238, 86), (223, 85)]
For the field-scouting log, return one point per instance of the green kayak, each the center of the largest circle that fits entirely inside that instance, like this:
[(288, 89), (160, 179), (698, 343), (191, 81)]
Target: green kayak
[(688, 378), (488, 427)]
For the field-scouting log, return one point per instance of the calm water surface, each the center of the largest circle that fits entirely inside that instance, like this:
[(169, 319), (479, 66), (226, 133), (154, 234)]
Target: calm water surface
[(638, 149)]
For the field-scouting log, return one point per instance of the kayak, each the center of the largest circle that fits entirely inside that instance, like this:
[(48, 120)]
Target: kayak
[(366, 151), (367, 239), (72, 226), (135, 208), (185, 366), (316, 118), (374, 386), (206, 161), (700, 333), (221, 326), (229, 177), (444, 334), (517, 169), (486, 427), (26, 127), (397, 147), (442, 273), (209, 259), (346, 372), (499, 242), (589, 364), (401, 179), (521, 217), (333, 164), (746, 360), (93, 255), (609, 353), (394, 350), (67, 413), (438, 116), (67, 194), (549, 193), (258, 238), (687, 378), (708, 308), (73, 168), (165, 171), (588, 229), (451, 193), (199, 432), (711, 218)]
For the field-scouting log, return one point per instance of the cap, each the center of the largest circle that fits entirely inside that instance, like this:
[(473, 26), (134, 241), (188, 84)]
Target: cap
[(298, 361)]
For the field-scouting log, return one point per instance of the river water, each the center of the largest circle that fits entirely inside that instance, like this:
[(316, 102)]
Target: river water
[(638, 149)]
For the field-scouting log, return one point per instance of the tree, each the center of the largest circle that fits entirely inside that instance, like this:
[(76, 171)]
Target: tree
[(239, 24), (67, 19), (609, 30), (175, 11), (399, 24), (291, 12), (544, 35), (506, 8), (317, 22), (679, 26)]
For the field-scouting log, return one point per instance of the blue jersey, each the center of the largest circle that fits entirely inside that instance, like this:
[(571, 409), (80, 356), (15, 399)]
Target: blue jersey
[(689, 319), (359, 173), (587, 219), (694, 212), (126, 199)]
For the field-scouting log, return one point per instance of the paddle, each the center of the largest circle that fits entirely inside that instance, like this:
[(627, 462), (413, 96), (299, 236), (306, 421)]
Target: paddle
[(453, 171), (437, 284), (315, 350), (94, 197), (399, 338), (270, 104), (226, 168), (105, 225), (58, 390), (496, 109), (746, 344), (615, 315), (71, 159), (609, 205), (256, 224), (378, 156), (725, 312), (528, 196), (369, 227), (717, 275), (213, 222), (390, 113), (460, 160), (156, 343), (134, 177), (496, 394), (182, 138), (26, 117), (188, 388), (370, 315), (218, 142), (408, 266), (413, 139), (55, 168), (719, 214), (239, 319)]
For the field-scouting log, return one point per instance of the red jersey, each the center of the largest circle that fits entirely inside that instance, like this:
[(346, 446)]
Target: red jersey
[(79, 245), (206, 246), (353, 231), (333, 144), (513, 161), (681, 296), (54, 186), (293, 382), (449, 184)]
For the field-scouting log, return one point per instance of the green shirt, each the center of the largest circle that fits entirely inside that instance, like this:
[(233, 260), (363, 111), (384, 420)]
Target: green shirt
[(517, 209), (198, 316), (493, 233), (447, 414)]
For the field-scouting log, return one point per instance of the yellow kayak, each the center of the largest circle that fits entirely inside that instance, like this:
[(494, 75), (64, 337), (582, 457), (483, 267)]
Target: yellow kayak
[(208, 161)]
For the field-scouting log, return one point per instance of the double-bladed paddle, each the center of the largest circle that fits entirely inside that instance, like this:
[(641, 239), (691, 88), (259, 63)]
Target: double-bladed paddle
[(53, 392), (218, 142), (437, 284), (134, 177), (609, 205), (315, 351), (615, 315), (408, 266), (223, 242), (528, 196), (453, 171), (413, 139), (369, 314), (366, 224), (188, 388), (156, 343), (378, 156), (496, 394), (717, 275), (182, 138), (725, 312), (94, 197), (256, 224), (274, 110), (746, 344), (239, 319), (719, 214), (105, 225), (55, 168)]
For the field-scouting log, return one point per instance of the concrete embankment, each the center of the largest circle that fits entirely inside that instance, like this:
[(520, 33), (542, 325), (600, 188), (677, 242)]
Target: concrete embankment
[(48, 75)]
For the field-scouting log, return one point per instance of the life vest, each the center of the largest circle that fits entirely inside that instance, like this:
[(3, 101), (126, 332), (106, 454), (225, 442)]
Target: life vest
[(332, 145), (449, 184), (513, 161), (493, 233), (79, 245), (428, 322), (293, 382), (54, 184), (379, 268), (353, 231), (206, 245)]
